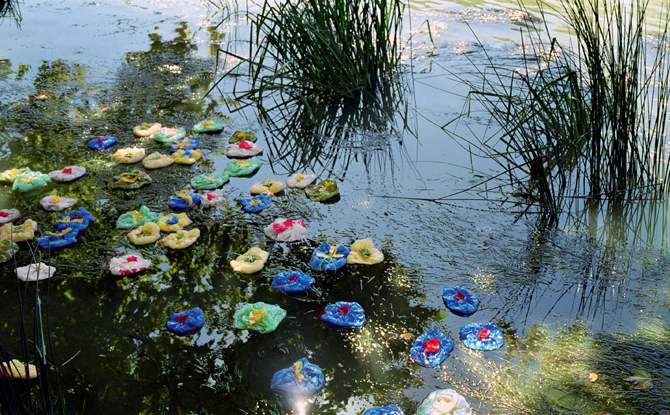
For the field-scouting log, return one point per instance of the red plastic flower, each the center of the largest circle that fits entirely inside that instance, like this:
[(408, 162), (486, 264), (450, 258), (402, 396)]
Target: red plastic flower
[(484, 334), (432, 345)]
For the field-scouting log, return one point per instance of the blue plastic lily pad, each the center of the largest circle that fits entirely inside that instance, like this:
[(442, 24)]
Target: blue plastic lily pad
[(56, 241), (431, 348), (78, 220), (326, 258), (181, 201), (384, 410), (185, 144), (460, 301), (343, 315), (254, 204), (102, 143), (186, 322), (482, 336), (292, 283), (301, 378)]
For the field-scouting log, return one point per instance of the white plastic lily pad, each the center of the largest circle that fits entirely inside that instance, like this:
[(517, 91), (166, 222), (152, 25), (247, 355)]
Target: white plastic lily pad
[(252, 261), (35, 272), (128, 264), (55, 203), (212, 198), (8, 215), (243, 150), (300, 181), (68, 174), (129, 155), (284, 230), (157, 160)]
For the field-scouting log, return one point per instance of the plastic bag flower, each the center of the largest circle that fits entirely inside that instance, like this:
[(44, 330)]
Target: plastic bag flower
[(482, 336), (260, 317), (243, 167), (286, 230), (292, 283), (8, 176), (212, 198), (79, 220), (186, 156), (146, 129), (343, 315), (254, 204), (185, 144), (322, 191), (29, 181), (55, 203), (239, 136), (128, 264), (327, 258), (66, 237), (8, 215), (157, 160), (136, 218), (129, 155), (267, 187), (147, 233), (163, 135), (209, 181), (183, 323), (14, 369), (301, 378), (300, 181), (7, 250), (68, 174), (364, 252), (460, 301), (102, 143), (19, 233), (181, 239), (384, 410), (243, 150), (252, 261), (208, 126), (35, 272), (173, 222), (184, 200), (431, 348), (133, 179), (444, 401)]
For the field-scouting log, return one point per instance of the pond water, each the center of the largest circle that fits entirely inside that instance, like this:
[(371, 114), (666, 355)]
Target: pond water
[(589, 297)]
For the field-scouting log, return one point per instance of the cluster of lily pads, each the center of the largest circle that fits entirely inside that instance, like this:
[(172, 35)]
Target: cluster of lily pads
[(147, 227)]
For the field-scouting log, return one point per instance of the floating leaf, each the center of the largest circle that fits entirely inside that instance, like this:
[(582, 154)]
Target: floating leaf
[(641, 379), (406, 336)]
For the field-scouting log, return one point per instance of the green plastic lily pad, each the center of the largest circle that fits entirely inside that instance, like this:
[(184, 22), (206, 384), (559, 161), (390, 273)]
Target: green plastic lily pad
[(8, 176), (208, 126), (243, 167), (131, 180), (209, 181), (136, 218), (7, 250), (260, 317), (324, 190), (29, 181), (238, 136), (168, 134)]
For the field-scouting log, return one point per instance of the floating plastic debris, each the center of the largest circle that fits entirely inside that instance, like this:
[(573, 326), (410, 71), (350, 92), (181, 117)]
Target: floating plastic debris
[(239, 136), (327, 258), (242, 167), (8, 215), (136, 218), (61, 239), (164, 134), (128, 264), (185, 144), (131, 180), (181, 239), (186, 156), (460, 301), (343, 315), (173, 222), (146, 129), (102, 143), (301, 378), (208, 126), (148, 233), (7, 250), (183, 323), (364, 252), (157, 160), (29, 181), (129, 155), (286, 230), (482, 336), (431, 348), (209, 181), (244, 149), (79, 220), (322, 191), (68, 174), (267, 187), (444, 401), (212, 198), (255, 204), (8, 176), (184, 200), (35, 272), (300, 181), (56, 203), (14, 369), (384, 410), (292, 283), (250, 262), (260, 317), (19, 233)]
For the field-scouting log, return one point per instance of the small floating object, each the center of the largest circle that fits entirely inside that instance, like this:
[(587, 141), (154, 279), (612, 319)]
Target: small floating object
[(8, 176), (79, 220), (243, 167), (8, 215), (384, 410), (146, 129), (131, 180), (181, 239), (148, 233), (343, 315), (14, 369), (102, 143), (184, 200), (128, 264), (66, 237), (301, 378), (286, 230), (56, 203), (260, 317), (68, 174), (444, 401), (157, 160), (212, 198), (186, 156), (129, 155), (7, 250), (300, 181), (173, 222), (185, 144), (18, 233), (482, 336), (209, 181), (29, 181), (35, 272), (243, 150), (327, 258), (431, 348), (136, 218), (460, 301), (322, 191), (239, 136), (292, 283), (254, 204), (163, 135), (252, 261), (364, 252), (208, 126), (183, 323), (267, 187)]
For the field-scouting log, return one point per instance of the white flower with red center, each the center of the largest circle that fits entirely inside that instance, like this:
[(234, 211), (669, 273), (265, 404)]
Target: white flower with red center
[(128, 264), (286, 230)]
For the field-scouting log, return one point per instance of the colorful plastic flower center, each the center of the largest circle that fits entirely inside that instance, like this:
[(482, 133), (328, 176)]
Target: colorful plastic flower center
[(444, 405), (284, 226), (101, 139), (459, 296), (210, 196), (250, 258), (210, 178), (168, 131), (60, 234), (181, 144), (129, 154), (256, 315), (300, 178), (344, 310), (246, 145), (28, 179), (4, 214), (180, 236), (242, 163), (182, 318), (268, 183), (208, 123), (173, 219), (484, 334), (297, 367), (155, 158), (331, 254), (293, 278), (365, 252), (131, 258), (186, 196), (145, 126), (67, 171), (137, 216), (241, 134), (145, 233), (17, 229), (432, 345), (129, 179), (68, 219), (255, 202), (56, 200)]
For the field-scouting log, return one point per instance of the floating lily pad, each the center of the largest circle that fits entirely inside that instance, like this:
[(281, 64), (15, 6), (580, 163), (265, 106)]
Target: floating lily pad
[(128, 264), (129, 155), (61, 239), (364, 252), (8, 176), (56, 203), (244, 149), (250, 262), (185, 144), (67, 174), (301, 378), (183, 323), (184, 200), (212, 198), (267, 187), (35, 272), (431, 348), (255, 204), (243, 167), (384, 410), (7, 250), (260, 317), (102, 143), (208, 126), (327, 258), (29, 181), (19, 233), (322, 191), (8, 215), (482, 336), (136, 218), (286, 230), (186, 156), (146, 129), (157, 160), (131, 180), (79, 220), (181, 239), (343, 315), (209, 181), (165, 134), (460, 301), (444, 401), (173, 222), (292, 283), (300, 181), (148, 233)]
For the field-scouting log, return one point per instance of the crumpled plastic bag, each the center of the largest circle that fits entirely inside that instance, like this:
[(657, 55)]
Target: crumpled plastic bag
[(185, 144), (79, 220), (164, 134), (35, 272), (61, 239), (460, 301), (322, 191), (128, 264), (55, 203), (129, 155), (482, 336), (184, 200), (250, 262), (255, 204), (173, 222), (29, 181), (267, 187), (181, 239), (244, 149), (343, 315), (18, 233), (7, 250), (243, 167), (301, 378), (133, 179), (208, 126), (157, 160), (292, 283), (327, 258), (102, 143), (364, 252), (183, 323), (209, 181), (147, 233), (68, 174), (146, 129), (186, 156), (260, 317), (8, 176), (136, 218), (14, 369), (444, 401), (8, 215), (212, 198), (384, 410), (239, 136), (431, 348), (286, 230), (300, 181)]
